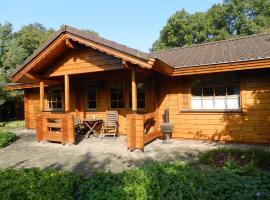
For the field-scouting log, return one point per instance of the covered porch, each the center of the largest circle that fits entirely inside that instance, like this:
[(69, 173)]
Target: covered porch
[(74, 98)]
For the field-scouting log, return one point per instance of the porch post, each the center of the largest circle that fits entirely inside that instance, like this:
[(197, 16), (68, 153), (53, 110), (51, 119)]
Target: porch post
[(134, 91), (66, 92), (41, 96)]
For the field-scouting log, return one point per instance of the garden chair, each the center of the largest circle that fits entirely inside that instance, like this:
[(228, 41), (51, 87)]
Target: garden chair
[(110, 125)]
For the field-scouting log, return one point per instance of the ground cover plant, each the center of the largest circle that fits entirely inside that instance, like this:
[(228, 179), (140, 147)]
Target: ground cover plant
[(237, 158), (37, 184), (12, 124), (178, 181), (6, 138)]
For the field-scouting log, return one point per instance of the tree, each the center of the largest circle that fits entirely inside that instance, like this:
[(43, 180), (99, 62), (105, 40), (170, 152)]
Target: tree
[(90, 31), (15, 48), (222, 21)]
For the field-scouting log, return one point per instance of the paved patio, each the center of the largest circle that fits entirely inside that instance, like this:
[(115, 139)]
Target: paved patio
[(93, 154)]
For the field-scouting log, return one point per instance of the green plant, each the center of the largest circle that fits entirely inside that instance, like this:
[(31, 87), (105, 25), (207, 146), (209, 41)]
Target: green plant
[(177, 181), (12, 124), (37, 184), (233, 158), (6, 138)]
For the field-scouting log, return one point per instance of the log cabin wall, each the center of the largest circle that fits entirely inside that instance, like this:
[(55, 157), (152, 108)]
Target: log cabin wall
[(250, 125), (31, 107)]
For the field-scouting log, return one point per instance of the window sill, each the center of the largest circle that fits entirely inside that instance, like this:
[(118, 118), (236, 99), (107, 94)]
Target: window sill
[(54, 111), (212, 111), (91, 110)]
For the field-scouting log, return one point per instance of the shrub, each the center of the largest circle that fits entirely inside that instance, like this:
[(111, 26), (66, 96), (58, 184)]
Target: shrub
[(6, 138), (233, 158), (37, 184), (176, 181)]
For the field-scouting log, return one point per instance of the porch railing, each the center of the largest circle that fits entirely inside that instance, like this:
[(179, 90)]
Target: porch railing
[(55, 127), (141, 129)]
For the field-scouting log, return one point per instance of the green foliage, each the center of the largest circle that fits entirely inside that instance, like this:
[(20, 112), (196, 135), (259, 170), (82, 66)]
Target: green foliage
[(6, 138), (37, 184), (233, 158), (90, 31), (177, 181), (222, 21), (13, 124)]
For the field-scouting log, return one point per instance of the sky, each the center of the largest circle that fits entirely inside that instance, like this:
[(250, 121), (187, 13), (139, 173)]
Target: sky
[(135, 23)]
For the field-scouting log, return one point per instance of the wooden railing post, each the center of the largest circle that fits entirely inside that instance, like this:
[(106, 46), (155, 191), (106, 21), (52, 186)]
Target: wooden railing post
[(134, 91), (66, 92), (41, 96)]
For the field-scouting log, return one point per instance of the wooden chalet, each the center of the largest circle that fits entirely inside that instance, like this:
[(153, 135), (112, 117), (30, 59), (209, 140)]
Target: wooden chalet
[(214, 91)]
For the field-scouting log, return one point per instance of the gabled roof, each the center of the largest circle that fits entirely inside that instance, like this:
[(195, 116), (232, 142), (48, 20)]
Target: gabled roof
[(88, 36), (173, 62), (254, 47)]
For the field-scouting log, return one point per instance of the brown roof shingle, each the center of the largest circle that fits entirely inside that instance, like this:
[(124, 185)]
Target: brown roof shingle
[(254, 47)]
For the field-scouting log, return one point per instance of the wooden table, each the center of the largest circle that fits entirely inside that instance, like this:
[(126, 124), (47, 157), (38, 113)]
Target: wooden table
[(91, 124)]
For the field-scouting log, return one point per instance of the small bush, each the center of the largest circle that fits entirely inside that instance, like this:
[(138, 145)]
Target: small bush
[(6, 138), (233, 158), (37, 184), (176, 181)]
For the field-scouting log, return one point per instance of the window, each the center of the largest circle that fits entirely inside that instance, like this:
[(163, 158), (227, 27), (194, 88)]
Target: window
[(117, 96), (140, 96), (55, 100), (92, 97), (216, 97)]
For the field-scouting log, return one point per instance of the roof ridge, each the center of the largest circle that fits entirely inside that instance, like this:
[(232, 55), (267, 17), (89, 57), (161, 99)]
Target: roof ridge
[(212, 42), (104, 39)]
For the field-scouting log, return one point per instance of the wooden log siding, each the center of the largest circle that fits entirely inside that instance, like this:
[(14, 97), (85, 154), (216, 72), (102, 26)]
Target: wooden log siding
[(250, 125), (84, 60)]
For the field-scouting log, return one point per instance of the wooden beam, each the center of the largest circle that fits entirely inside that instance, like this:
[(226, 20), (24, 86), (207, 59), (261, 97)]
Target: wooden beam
[(70, 44), (41, 95), (66, 92), (134, 90)]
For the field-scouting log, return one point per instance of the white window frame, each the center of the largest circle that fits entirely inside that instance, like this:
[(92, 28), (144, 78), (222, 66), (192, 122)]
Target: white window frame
[(214, 98)]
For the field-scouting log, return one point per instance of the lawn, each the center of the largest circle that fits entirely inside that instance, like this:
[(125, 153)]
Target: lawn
[(218, 174)]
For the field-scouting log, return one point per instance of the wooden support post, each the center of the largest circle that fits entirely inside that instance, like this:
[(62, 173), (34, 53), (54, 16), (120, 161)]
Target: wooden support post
[(66, 92), (41, 96), (134, 91)]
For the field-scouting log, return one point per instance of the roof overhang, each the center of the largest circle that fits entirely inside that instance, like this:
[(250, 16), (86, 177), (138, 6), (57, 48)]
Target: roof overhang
[(60, 42), (225, 67)]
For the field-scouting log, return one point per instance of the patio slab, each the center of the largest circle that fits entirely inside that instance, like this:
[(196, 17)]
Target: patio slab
[(93, 154)]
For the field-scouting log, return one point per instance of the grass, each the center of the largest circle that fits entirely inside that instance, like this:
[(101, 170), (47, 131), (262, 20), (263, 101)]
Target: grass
[(6, 138), (11, 124), (205, 179)]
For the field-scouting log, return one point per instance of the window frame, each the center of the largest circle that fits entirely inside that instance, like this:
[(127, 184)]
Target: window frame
[(110, 95), (130, 97), (50, 93), (87, 97), (213, 98)]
